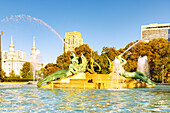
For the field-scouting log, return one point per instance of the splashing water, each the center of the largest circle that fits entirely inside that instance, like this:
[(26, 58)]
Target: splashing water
[(143, 65), (117, 68), (31, 19)]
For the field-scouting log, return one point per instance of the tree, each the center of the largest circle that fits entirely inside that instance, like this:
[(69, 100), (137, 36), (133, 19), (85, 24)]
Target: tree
[(160, 49), (86, 51), (63, 60), (111, 53), (49, 68), (3, 75), (157, 51), (42, 72), (25, 72), (12, 73)]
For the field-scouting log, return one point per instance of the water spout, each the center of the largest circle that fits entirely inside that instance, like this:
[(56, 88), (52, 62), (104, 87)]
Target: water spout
[(117, 68), (23, 17), (143, 66), (131, 47)]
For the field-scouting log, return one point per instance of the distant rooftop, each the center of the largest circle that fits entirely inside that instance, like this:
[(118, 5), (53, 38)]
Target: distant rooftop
[(155, 26)]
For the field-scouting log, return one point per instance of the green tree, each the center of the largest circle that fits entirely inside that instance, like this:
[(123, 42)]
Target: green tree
[(111, 53), (25, 72)]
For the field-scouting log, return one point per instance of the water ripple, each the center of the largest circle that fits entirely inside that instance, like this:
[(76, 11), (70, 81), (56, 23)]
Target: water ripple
[(28, 98)]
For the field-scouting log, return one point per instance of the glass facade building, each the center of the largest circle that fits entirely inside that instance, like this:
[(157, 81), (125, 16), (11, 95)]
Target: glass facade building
[(168, 34)]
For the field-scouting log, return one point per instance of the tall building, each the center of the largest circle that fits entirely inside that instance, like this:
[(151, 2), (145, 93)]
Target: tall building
[(152, 31), (12, 60), (72, 40)]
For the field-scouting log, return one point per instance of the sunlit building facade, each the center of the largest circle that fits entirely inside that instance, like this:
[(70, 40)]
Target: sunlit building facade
[(152, 31), (72, 40), (13, 60)]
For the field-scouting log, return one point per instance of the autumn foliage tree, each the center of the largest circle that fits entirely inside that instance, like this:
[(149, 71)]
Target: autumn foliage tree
[(160, 57), (157, 51), (86, 51), (63, 60), (12, 73), (51, 68)]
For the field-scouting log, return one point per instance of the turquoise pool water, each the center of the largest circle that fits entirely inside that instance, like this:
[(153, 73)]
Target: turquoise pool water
[(28, 98)]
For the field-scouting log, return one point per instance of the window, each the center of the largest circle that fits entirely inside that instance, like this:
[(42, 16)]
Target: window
[(6, 54)]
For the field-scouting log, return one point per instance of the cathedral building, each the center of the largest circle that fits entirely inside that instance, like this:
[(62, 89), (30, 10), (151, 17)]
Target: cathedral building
[(14, 60), (72, 40)]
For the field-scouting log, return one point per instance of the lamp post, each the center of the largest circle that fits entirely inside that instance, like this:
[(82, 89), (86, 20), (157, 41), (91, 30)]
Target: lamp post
[(0, 59), (12, 63), (162, 74)]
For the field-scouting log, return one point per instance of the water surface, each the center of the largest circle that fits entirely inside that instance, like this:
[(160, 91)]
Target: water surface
[(28, 98)]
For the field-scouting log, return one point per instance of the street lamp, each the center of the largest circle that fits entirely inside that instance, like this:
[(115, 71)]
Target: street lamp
[(162, 74), (0, 59)]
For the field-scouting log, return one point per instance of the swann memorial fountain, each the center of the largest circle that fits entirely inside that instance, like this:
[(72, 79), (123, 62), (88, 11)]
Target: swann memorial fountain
[(78, 76)]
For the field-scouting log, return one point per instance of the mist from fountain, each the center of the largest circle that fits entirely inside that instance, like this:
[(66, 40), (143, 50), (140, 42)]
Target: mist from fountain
[(143, 66), (35, 63)]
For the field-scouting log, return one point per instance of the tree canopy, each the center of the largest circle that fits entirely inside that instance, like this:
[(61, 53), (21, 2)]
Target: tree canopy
[(26, 70), (157, 51)]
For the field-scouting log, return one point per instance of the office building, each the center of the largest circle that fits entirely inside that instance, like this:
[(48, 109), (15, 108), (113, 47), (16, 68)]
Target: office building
[(72, 40), (152, 31)]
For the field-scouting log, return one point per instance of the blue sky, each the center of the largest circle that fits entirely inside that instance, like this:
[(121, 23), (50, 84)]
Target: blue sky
[(111, 23)]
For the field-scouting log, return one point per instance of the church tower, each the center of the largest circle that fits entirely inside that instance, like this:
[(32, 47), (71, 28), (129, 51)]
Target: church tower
[(34, 57), (11, 49), (33, 47)]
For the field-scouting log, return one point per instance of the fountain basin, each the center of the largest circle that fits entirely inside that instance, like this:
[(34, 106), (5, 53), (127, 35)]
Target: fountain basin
[(96, 81)]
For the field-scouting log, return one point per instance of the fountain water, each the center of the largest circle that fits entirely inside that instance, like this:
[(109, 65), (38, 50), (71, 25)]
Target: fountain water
[(143, 65), (23, 17), (35, 63), (131, 46), (117, 68)]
